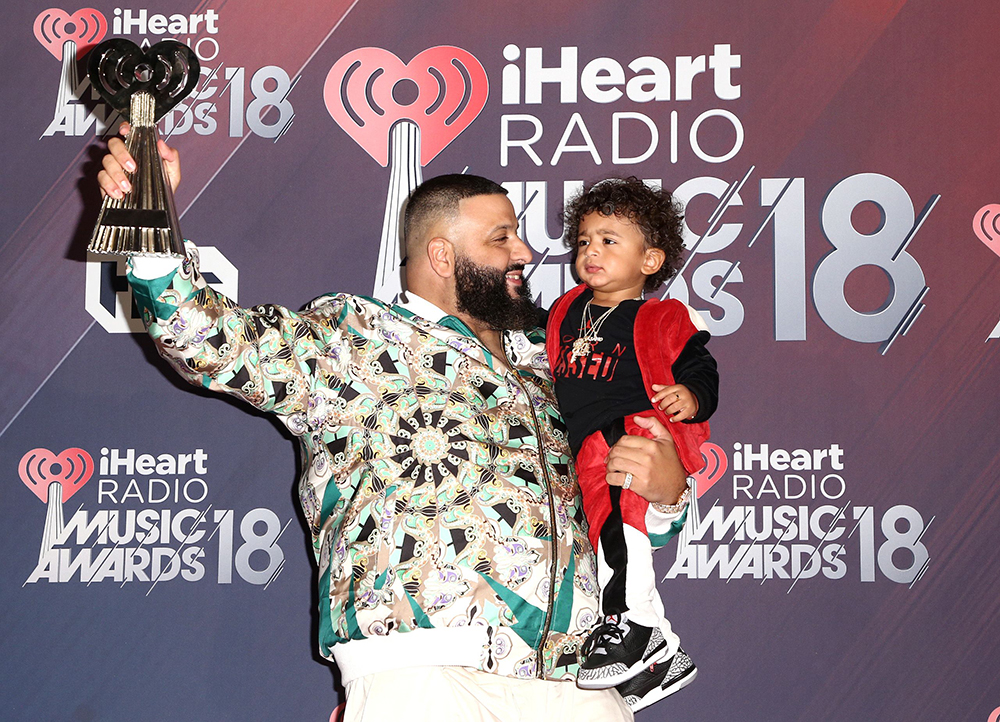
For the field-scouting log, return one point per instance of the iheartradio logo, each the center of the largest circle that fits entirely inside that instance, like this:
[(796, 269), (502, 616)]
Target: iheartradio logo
[(716, 465), (40, 469), (403, 115), (986, 226), (442, 90), (68, 38), (54, 478), (85, 28)]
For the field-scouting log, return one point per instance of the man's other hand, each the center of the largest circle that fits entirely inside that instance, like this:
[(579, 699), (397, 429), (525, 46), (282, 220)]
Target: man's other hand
[(657, 473)]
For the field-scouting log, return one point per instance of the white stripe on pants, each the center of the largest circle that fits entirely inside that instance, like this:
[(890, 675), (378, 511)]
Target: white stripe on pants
[(642, 599)]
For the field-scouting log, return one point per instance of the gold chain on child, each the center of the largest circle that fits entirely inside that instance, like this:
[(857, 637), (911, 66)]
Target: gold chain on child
[(589, 329)]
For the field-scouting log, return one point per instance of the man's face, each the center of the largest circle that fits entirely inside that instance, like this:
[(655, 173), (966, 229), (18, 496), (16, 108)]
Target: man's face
[(489, 264)]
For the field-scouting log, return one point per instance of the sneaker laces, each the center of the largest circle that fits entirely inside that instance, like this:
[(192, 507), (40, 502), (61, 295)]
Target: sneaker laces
[(604, 634)]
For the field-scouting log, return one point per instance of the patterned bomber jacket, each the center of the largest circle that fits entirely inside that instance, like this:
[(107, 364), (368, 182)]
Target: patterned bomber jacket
[(438, 487)]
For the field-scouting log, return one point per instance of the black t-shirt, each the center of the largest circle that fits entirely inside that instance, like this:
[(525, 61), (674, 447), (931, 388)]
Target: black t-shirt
[(605, 385)]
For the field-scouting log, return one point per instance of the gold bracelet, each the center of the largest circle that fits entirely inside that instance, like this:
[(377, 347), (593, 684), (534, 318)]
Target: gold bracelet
[(674, 508)]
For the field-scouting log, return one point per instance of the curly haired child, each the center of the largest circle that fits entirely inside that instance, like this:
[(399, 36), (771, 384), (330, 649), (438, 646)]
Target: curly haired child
[(616, 356)]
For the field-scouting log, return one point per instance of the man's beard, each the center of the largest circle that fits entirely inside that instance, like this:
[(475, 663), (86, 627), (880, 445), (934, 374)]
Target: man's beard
[(482, 293)]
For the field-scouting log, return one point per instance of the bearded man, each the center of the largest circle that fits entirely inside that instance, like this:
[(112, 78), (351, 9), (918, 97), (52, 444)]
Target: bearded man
[(456, 581)]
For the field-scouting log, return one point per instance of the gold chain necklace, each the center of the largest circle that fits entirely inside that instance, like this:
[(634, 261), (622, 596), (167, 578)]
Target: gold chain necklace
[(587, 336)]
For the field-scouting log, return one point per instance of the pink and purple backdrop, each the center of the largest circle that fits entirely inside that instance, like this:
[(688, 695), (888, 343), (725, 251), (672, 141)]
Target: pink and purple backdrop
[(840, 162)]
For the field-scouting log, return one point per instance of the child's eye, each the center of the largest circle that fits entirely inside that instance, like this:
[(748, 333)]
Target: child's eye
[(609, 240), (581, 243)]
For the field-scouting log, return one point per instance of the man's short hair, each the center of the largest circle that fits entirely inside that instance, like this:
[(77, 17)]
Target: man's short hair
[(439, 197)]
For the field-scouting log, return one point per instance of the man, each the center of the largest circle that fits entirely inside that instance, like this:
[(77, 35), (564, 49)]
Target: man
[(437, 481)]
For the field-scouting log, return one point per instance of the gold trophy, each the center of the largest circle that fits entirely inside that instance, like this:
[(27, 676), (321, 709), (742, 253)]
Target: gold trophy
[(142, 86)]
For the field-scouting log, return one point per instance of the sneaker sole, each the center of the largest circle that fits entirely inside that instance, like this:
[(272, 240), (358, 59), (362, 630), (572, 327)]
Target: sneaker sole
[(658, 693), (613, 675)]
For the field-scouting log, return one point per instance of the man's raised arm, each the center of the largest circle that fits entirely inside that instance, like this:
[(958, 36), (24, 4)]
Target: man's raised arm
[(261, 355)]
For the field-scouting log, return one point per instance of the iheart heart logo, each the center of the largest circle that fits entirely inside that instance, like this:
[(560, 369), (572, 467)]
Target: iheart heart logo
[(40, 467), (986, 226), (53, 27), (368, 90), (716, 464)]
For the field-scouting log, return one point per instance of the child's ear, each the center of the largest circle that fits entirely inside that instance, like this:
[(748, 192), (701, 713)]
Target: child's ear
[(653, 259)]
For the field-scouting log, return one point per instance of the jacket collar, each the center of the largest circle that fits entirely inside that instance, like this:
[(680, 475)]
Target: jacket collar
[(420, 306), (415, 305)]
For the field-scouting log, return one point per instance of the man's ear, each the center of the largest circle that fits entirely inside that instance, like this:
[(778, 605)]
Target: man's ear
[(653, 260), (441, 256)]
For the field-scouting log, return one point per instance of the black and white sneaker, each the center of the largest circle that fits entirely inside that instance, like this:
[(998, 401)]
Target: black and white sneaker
[(658, 681), (617, 650)]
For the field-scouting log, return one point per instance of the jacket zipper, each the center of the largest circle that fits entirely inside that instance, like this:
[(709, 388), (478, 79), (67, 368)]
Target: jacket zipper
[(552, 515)]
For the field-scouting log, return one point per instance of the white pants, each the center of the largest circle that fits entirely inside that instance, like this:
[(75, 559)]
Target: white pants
[(642, 599), (460, 694)]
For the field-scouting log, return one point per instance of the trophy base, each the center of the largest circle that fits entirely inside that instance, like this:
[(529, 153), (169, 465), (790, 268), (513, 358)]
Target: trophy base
[(135, 239)]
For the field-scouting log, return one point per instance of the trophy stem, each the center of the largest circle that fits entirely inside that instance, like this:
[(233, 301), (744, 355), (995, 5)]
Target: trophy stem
[(404, 176), (53, 520), (144, 221)]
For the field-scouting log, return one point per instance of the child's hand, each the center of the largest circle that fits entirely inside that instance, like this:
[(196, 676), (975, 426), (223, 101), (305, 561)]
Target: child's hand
[(677, 401)]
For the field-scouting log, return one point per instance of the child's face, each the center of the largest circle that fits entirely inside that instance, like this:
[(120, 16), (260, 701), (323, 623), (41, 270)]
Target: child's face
[(612, 258)]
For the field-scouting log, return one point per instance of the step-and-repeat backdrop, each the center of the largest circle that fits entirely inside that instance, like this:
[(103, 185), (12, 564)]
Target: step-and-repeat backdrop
[(839, 164)]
